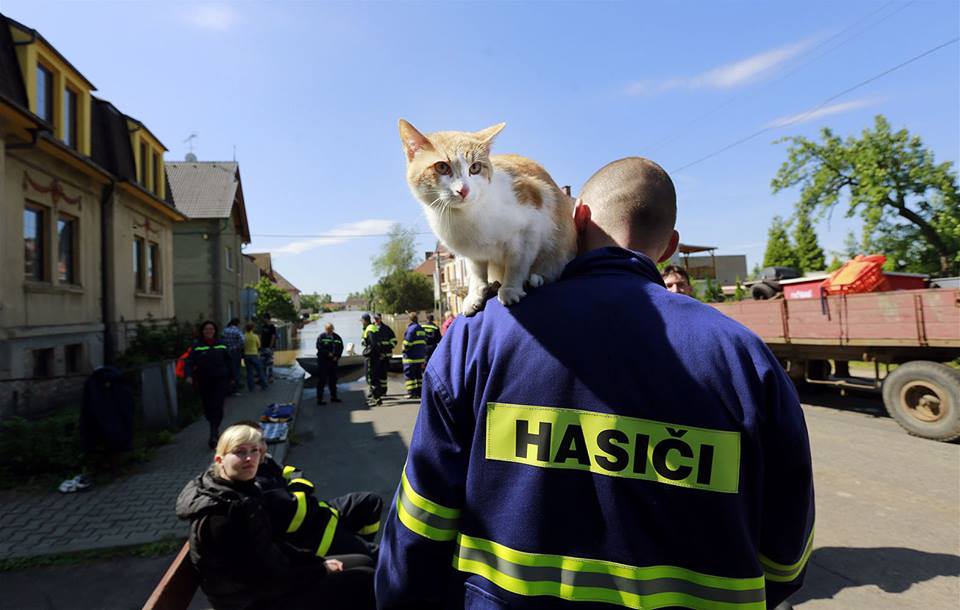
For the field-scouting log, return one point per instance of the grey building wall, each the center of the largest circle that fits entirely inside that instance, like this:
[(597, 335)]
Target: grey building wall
[(208, 270)]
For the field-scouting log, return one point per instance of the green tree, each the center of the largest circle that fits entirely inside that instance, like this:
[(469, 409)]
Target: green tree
[(402, 291), (274, 301), (835, 263), (808, 252), (315, 301), (910, 206), (398, 254), (712, 292), (739, 292), (779, 252)]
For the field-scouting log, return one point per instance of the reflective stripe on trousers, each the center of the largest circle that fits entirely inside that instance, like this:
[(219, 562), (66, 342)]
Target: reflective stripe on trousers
[(581, 579)]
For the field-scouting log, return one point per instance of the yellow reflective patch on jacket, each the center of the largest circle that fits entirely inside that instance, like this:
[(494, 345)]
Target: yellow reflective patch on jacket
[(614, 445)]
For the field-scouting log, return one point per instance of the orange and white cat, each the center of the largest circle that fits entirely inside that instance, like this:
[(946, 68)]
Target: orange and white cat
[(503, 213)]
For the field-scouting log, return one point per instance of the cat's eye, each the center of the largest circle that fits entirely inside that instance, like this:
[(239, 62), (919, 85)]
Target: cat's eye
[(475, 168), (442, 167)]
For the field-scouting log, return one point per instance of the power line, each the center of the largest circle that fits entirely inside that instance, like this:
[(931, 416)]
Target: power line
[(332, 235), (733, 98), (807, 113)]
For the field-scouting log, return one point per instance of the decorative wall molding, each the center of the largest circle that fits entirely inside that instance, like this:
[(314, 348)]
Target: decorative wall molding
[(146, 224), (54, 189)]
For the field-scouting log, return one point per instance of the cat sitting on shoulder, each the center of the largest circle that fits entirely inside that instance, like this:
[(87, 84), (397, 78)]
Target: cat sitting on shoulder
[(504, 214)]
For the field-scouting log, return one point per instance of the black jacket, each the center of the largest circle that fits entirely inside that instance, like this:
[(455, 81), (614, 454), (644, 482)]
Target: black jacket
[(242, 565), (209, 360), (329, 345)]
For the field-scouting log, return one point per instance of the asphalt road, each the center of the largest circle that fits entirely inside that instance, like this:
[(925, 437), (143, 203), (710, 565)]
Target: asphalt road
[(888, 511), (888, 508)]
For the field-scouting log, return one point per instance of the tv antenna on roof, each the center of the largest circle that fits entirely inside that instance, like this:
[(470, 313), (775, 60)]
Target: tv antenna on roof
[(189, 142)]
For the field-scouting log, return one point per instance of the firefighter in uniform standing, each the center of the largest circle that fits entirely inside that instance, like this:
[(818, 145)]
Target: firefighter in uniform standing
[(388, 341), (370, 340), (674, 473), (433, 338), (329, 350), (414, 353)]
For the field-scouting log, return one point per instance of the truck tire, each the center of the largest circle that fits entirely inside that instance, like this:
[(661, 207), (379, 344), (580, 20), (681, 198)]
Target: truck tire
[(762, 291), (924, 398)]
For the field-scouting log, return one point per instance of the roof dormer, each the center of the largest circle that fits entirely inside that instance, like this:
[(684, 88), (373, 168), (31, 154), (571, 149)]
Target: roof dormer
[(56, 91), (148, 156)]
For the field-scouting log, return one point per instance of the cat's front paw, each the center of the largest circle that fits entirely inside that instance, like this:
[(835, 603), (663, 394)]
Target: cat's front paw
[(508, 295), (473, 303), (535, 280)]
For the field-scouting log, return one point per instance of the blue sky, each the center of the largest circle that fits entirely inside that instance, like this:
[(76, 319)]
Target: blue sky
[(308, 95)]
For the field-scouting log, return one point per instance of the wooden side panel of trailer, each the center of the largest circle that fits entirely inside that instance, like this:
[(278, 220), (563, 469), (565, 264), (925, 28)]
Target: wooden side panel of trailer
[(809, 324), (882, 318), (941, 316), (766, 318)]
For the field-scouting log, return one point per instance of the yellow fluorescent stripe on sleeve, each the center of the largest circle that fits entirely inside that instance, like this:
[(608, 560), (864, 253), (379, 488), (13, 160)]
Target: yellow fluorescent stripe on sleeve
[(419, 527), (778, 572), (373, 528), (425, 504), (288, 471), (301, 482), (301, 513), (327, 539)]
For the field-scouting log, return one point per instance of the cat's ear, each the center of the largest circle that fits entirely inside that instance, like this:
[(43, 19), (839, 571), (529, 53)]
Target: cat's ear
[(413, 140), (487, 135)]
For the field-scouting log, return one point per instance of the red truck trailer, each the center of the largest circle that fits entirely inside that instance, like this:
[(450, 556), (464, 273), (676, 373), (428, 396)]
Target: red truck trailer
[(917, 330)]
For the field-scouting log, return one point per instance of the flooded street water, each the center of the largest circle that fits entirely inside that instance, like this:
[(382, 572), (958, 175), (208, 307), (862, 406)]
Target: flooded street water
[(345, 323)]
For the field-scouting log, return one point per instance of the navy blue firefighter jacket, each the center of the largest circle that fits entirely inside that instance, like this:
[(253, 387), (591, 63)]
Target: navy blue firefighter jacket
[(666, 465)]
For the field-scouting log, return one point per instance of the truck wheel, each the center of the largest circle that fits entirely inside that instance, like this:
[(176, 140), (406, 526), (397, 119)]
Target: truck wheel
[(924, 398), (762, 291)]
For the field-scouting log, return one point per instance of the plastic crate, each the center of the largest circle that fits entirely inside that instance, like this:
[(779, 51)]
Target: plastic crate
[(862, 274)]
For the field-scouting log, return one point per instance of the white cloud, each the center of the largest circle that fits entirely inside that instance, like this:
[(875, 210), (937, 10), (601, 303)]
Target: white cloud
[(212, 16), (727, 76), (810, 115), (337, 235)]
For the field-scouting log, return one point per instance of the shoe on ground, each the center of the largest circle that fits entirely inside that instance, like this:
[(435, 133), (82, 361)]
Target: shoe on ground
[(335, 399), (411, 396), (77, 483), (321, 402), (378, 402)]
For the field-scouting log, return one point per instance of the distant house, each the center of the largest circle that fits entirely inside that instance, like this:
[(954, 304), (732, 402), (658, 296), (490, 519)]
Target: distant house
[(724, 269), (264, 261), (207, 266), (85, 222)]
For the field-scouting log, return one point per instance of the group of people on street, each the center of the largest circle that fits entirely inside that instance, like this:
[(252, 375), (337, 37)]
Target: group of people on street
[(379, 340), (213, 364), (667, 466)]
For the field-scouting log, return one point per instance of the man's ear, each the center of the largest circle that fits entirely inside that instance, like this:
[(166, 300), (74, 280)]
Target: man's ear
[(671, 247), (581, 216)]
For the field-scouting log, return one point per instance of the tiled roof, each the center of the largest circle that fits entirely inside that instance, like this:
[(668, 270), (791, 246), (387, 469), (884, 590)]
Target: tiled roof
[(427, 267), (263, 261), (204, 189), (283, 283), (11, 80)]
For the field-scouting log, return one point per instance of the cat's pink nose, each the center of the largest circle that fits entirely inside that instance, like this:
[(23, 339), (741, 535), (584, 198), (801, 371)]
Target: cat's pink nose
[(464, 191)]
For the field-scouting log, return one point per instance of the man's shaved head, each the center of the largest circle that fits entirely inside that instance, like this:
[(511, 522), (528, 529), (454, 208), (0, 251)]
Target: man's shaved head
[(633, 200)]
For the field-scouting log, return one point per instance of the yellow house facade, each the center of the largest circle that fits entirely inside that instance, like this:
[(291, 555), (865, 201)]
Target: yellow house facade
[(72, 207)]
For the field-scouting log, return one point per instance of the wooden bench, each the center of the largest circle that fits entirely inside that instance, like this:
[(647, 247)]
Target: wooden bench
[(178, 585)]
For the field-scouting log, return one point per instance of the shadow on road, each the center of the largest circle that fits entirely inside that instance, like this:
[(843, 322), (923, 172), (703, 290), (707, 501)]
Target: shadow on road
[(892, 569), (856, 401)]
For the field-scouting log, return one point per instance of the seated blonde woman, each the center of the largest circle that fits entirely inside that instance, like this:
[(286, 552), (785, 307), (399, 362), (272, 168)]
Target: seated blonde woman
[(243, 563)]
